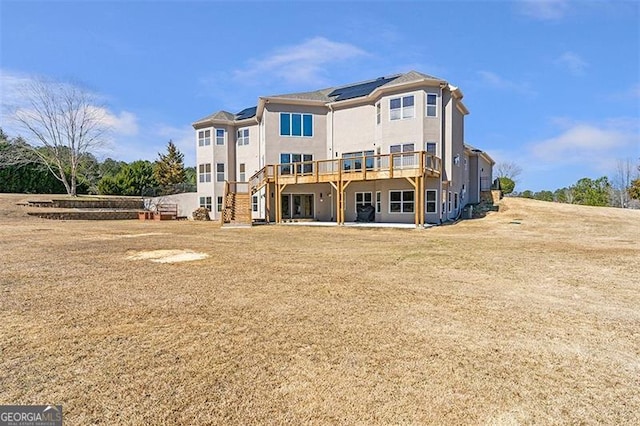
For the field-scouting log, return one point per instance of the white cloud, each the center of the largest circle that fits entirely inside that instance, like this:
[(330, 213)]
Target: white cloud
[(495, 81), (301, 64), (572, 62), (125, 123), (12, 89), (545, 10), (594, 146)]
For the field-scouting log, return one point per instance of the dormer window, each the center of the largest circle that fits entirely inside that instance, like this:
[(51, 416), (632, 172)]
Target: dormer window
[(401, 108)]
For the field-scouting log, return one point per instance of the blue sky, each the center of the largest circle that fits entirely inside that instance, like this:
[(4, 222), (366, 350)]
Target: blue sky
[(552, 85)]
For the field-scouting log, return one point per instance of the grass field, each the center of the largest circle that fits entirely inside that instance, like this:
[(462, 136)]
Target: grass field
[(529, 315)]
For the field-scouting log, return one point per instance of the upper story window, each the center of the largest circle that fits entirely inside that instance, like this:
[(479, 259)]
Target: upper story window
[(354, 160), (431, 147), (220, 136), (204, 172), (243, 136), (401, 108), (432, 105), (220, 172), (204, 137), (294, 124), (378, 112)]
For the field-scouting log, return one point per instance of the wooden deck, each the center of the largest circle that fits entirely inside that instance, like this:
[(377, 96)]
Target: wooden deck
[(371, 167), (415, 167)]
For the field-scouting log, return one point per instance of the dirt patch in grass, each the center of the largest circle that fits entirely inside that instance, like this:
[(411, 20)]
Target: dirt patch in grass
[(483, 322), (167, 256)]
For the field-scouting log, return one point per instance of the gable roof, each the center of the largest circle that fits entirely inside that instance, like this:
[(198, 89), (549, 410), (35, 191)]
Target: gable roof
[(329, 95)]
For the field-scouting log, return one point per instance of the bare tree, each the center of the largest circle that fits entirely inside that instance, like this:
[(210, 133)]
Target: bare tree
[(63, 124), (621, 182), (509, 170)]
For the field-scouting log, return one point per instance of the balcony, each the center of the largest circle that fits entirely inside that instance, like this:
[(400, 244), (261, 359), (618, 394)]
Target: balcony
[(366, 167)]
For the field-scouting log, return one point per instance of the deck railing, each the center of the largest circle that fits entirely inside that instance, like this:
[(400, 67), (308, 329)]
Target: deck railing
[(343, 168)]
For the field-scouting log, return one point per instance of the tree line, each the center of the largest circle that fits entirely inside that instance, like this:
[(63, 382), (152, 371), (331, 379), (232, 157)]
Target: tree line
[(23, 171), (622, 189)]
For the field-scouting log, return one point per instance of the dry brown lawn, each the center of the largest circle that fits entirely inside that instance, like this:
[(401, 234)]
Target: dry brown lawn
[(530, 315)]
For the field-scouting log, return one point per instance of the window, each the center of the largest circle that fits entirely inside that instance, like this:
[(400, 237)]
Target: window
[(456, 160), (242, 174), (408, 160), (254, 203), (287, 158), (378, 202), (455, 201), (450, 201), (353, 160), (205, 202), (401, 201), (431, 200), (220, 136), (363, 199), (292, 124), (204, 137), (204, 173), (378, 113), (401, 108), (243, 137), (220, 172), (431, 147), (463, 193), (432, 105), (219, 204)]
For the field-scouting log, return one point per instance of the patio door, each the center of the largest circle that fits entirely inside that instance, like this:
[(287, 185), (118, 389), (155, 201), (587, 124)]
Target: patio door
[(297, 206)]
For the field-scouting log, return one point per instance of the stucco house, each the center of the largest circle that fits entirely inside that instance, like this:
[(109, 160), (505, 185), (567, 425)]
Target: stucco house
[(394, 144)]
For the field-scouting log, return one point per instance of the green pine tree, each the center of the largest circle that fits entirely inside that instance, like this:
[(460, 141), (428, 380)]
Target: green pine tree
[(169, 168)]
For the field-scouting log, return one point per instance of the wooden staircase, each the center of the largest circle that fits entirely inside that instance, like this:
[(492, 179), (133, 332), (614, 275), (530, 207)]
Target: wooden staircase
[(237, 204)]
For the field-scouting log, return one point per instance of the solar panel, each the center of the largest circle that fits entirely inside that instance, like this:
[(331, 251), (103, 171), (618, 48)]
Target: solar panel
[(358, 90), (246, 113)]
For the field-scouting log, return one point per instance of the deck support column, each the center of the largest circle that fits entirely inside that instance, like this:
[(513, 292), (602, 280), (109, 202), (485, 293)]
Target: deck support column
[(343, 186), (336, 186)]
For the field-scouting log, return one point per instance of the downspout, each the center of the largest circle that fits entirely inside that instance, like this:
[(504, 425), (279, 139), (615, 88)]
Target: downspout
[(441, 156), (331, 156)]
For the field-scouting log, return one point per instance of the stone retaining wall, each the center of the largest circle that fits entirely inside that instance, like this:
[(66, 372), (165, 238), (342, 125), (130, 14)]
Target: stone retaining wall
[(107, 203), (87, 215)]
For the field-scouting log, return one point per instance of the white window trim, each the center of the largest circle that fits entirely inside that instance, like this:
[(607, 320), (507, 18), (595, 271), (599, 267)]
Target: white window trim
[(224, 136), (243, 139), (219, 203), (402, 202), (402, 107), (435, 202), (254, 203), (203, 175), (224, 172), (355, 197), (426, 105), (202, 141), (378, 202)]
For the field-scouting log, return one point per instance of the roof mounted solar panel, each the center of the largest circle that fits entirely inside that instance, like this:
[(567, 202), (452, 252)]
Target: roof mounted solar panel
[(246, 113), (361, 89)]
